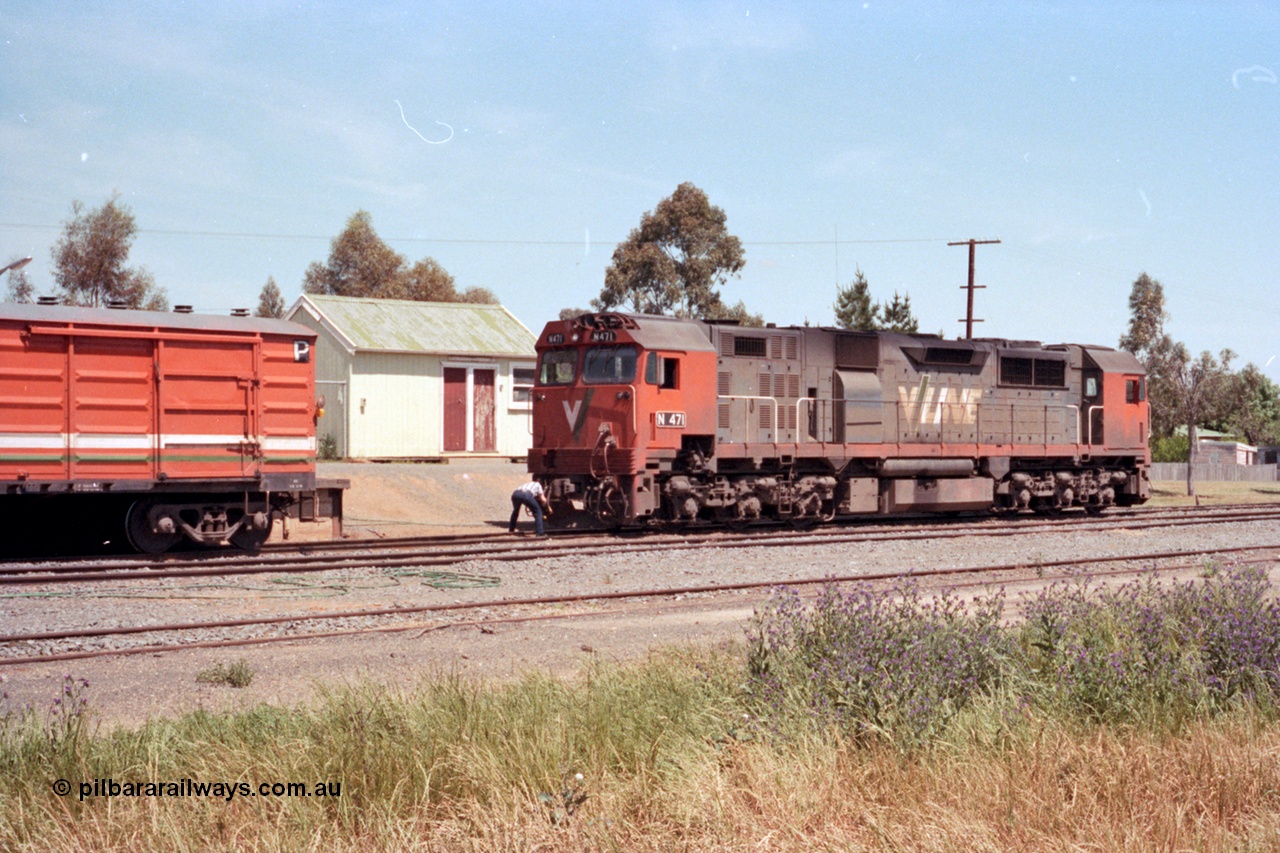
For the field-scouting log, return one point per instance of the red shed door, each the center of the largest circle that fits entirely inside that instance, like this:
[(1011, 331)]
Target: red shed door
[(455, 409), (484, 438), (469, 410)]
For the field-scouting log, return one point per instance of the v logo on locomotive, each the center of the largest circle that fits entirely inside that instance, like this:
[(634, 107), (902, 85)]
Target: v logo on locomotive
[(571, 413)]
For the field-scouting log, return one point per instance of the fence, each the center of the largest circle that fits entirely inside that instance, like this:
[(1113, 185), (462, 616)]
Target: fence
[(1177, 471)]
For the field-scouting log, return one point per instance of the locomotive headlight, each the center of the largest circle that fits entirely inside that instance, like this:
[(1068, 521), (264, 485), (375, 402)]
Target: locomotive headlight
[(623, 395)]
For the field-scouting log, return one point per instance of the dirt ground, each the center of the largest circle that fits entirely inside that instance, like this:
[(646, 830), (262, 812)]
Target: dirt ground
[(404, 499), (387, 500)]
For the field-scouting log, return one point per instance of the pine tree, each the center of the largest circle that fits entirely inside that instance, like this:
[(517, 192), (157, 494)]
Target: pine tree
[(896, 316), (853, 306)]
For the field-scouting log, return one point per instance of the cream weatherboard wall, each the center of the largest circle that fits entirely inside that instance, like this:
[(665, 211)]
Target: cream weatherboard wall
[(383, 402)]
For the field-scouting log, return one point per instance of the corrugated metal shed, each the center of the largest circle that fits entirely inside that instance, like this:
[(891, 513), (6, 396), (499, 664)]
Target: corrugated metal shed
[(394, 325)]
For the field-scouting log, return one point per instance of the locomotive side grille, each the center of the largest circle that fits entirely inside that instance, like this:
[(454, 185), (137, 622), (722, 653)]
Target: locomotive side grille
[(766, 416), (724, 383), (790, 412), (1033, 372), (726, 344), (793, 383), (792, 343), (722, 416), (775, 347), (765, 385)]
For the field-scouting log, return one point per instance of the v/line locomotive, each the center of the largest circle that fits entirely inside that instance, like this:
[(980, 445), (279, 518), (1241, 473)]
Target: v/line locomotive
[(647, 420), (155, 429)]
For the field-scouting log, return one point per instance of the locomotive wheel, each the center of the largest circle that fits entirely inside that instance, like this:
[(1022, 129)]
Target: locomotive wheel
[(140, 534), (249, 538)]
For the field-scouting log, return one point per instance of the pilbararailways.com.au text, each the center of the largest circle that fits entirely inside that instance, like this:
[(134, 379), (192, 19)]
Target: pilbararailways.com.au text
[(191, 788)]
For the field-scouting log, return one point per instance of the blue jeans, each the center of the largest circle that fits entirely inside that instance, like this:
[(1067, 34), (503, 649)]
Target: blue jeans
[(524, 499)]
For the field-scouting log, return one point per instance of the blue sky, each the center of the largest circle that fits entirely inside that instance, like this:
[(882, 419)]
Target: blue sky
[(518, 145)]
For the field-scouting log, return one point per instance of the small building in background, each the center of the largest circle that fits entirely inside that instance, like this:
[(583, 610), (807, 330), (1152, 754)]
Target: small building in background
[(420, 380), (1225, 452)]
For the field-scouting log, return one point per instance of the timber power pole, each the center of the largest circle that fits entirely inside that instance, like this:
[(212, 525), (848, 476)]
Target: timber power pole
[(971, 287)]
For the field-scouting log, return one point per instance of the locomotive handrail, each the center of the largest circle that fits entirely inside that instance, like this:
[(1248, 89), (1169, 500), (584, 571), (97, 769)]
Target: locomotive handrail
[(995, 412), (1091, 411)]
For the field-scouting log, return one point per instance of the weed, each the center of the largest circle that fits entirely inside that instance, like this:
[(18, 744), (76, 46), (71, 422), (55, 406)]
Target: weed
[(327, 447), (237, 675)]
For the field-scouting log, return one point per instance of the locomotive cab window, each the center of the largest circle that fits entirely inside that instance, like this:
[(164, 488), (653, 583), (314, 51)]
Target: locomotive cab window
[(1134, 391), (558, 367), (662, 371), (609, 365)]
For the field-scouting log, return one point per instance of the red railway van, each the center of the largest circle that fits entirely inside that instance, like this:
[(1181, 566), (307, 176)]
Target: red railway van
[(202, 427)]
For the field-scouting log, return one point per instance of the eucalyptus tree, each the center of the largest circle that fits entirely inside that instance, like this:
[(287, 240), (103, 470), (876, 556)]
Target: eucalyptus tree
[(89, 260), (675, 261)]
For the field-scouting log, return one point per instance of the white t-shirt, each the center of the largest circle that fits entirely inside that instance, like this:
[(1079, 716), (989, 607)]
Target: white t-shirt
[(532, 488)]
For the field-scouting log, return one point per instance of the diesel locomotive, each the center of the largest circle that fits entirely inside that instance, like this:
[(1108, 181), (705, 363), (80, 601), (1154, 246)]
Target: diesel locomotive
[(647, 421), (155, 429)]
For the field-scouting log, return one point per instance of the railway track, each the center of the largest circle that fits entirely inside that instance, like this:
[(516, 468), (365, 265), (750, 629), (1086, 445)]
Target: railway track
[(996, 574), (583, 597), (449, 552)]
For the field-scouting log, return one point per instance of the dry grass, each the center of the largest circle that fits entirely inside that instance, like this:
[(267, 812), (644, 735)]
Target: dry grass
[(666, 763)]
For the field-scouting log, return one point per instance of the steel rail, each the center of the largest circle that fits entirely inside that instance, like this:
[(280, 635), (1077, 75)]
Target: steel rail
[(541, 550), (546, 600), (453, 543)]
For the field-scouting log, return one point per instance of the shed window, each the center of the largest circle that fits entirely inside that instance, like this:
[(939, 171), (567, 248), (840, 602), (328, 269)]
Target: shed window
[(522, 379)]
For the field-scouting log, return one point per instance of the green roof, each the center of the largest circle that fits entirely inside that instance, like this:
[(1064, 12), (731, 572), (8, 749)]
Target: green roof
[(395, 325)]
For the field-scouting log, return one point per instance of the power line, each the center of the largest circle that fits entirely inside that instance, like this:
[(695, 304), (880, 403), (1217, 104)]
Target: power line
[(248, 235)]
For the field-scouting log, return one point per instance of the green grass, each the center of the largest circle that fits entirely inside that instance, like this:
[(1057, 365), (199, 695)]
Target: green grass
[(1174, 493)]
